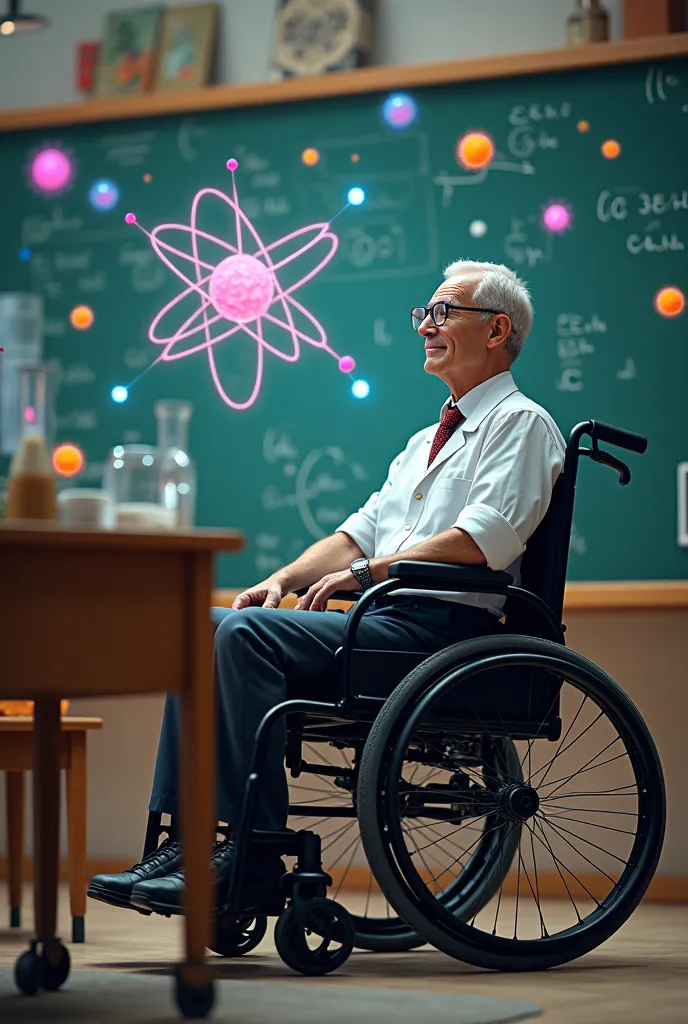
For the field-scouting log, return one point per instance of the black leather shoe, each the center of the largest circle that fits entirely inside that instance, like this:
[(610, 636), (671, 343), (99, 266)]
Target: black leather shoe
[(261, 885), (116, 889)]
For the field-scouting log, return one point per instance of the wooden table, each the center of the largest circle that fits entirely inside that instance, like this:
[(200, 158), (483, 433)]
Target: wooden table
[(91, 612)]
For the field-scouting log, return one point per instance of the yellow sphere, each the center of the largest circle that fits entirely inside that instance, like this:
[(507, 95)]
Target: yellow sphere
[(310, 157)]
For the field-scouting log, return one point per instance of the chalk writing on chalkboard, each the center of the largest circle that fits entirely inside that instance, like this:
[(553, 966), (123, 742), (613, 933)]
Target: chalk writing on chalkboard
[(657, 84), (575, 340), (527, 245)]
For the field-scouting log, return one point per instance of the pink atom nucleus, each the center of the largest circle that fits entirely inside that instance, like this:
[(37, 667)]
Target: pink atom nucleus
[(51, 170), (232, 164), (29, 414), (347, 364), (130, 218), (556, 217), (241, 288)]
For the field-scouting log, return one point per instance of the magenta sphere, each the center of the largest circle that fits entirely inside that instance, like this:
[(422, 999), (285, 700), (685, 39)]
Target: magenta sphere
[(347, 364), (556, 217), (232, 164), (241, 288), (51, 170), (130, 218)]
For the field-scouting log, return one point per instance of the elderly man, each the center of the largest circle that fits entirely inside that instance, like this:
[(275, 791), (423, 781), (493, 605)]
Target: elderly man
[(471, 489)]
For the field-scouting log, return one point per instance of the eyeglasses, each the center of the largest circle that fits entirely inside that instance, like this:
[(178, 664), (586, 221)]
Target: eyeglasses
[(439, 312)]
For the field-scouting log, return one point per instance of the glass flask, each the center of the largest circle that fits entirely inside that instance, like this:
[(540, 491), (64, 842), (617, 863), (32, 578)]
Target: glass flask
[(31, 486), (587, 23), (177, 469), (132, 477), (21, 336)]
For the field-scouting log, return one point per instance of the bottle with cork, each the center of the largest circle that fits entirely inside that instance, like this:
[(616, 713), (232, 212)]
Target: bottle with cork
[(587, 23), (31, 484)]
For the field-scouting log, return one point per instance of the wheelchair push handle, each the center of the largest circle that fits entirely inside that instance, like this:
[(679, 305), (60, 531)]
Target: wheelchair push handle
[(617, 436)]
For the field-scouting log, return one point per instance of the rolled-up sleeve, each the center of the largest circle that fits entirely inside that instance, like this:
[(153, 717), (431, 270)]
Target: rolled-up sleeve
[(512, 486), (362, 525)]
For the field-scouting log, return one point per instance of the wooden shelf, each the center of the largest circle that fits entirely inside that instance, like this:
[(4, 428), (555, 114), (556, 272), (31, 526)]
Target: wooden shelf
[(374, 79)]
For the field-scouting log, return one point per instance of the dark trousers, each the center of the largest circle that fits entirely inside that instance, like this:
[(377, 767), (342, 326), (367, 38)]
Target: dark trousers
[(264, 656)]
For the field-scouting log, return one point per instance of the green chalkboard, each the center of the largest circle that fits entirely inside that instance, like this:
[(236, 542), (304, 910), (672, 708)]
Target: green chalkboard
[(291, 465)]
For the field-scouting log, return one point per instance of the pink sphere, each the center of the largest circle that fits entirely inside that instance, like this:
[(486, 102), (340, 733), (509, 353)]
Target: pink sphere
[(347, 364), (556, 217), (241, 288), (51, 170), (232, 164), (130, 218)]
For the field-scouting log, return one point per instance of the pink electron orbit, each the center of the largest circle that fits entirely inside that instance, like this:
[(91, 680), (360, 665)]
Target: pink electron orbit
[(556, 218), (237, 293)]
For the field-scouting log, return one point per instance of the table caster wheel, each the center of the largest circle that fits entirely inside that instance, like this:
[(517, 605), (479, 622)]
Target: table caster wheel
[(28, 971), (56, 964), (239, 936), (315, 937), (194, 1002)]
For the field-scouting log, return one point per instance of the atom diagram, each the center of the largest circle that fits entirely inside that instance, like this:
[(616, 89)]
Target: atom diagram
[(237, 290)]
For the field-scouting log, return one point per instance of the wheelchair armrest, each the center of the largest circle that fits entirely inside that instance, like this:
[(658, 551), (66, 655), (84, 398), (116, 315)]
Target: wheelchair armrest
[(448, 576)]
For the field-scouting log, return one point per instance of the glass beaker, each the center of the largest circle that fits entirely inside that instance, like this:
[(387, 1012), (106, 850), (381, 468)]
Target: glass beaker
[(132, 477), (177, 469), (21, 336), (31, 487)]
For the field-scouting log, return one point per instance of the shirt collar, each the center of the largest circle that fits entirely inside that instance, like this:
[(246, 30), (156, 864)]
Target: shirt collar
[(482, 399)]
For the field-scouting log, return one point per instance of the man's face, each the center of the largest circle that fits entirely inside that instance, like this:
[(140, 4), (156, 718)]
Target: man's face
[(460, 344)]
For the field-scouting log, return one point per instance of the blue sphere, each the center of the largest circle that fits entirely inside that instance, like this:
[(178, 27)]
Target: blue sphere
[(399, 110), (103, 195), (356, 196), (119, 394), (360, 389)]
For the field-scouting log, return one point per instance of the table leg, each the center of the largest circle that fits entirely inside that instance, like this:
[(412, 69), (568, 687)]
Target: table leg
[(76, 831), (15, 843), (46, 814), (198, 807)]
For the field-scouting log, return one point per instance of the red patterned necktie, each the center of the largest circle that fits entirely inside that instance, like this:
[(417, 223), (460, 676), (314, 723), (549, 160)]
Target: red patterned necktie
[(451, 417)]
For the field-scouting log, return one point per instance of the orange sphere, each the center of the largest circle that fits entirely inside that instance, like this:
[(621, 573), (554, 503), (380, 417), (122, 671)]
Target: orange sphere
[(148, 178), (583, 126), (68, 460), (670, 301), (310, 157), (611, 149), (474, 151), (355, 158), (81, 317)]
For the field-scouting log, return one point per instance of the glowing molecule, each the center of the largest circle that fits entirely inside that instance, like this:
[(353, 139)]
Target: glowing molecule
[(25, 254), (477, 229), (68, 459), (119, 394), (399, 110), (355, 158), (148, 178), (356, 196), (129, 218), (360, 389), (347, 364), (310, 157), (232, 164), (29, 414), (103, 194), (51, 170), (583, 126), (556, 218), (610, 149), (81, 318), (474, 151), (670, 301), (241, 288)]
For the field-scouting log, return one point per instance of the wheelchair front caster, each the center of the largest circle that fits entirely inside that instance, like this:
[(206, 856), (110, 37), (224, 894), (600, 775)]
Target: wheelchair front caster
[(314, 937), (28, 972), (48, 969), (238, 937), (56, 964), (194, 1002)]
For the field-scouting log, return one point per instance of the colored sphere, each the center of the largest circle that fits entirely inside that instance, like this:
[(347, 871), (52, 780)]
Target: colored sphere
[(119, 394), (475, 151), (356, 196), (81, 317), (241, 288), (232, 164), (583, 126), (611, 149), (103, 195), (68, 460), (25, 254), (399, 110), (477, 229), (130, 218), (29, 414), (355, 158), (360, 389), (670, 301), (556, 218), (310, 157), (148, 178), (51, 170), (347, 364)]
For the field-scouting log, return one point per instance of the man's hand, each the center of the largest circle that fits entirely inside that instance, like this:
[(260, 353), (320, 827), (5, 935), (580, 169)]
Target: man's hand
[(315, 599), (267, 594)]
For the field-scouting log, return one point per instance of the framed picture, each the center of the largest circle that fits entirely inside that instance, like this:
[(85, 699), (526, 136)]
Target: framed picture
[(186, 57), (128, 52), (316, 36)]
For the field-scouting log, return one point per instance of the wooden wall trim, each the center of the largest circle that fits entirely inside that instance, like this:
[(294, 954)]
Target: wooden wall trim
[(624, 595), (361, 80)]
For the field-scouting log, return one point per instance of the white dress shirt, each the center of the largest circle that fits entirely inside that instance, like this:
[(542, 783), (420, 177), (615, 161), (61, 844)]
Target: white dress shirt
[(493, 479)]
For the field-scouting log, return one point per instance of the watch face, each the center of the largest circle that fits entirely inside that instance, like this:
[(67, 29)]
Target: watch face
[(359, 563)]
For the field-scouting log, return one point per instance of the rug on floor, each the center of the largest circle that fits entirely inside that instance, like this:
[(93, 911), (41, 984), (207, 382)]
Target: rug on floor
[(108, 997)]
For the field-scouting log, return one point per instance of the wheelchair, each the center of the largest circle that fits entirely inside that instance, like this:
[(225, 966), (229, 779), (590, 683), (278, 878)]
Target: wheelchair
[(477, 781)]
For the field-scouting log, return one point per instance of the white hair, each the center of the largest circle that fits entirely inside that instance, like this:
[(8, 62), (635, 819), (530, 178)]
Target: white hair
[(501, 289)]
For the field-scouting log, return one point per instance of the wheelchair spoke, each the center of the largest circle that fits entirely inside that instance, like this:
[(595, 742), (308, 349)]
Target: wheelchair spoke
[(561, 743), (586, 768), (594, 824)]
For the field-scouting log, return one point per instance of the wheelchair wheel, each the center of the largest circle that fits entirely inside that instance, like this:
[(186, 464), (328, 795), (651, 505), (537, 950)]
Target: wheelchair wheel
[(331, 805), (589, 809)]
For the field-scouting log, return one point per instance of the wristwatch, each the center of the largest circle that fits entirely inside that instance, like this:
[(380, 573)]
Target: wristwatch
[(360, 567)]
